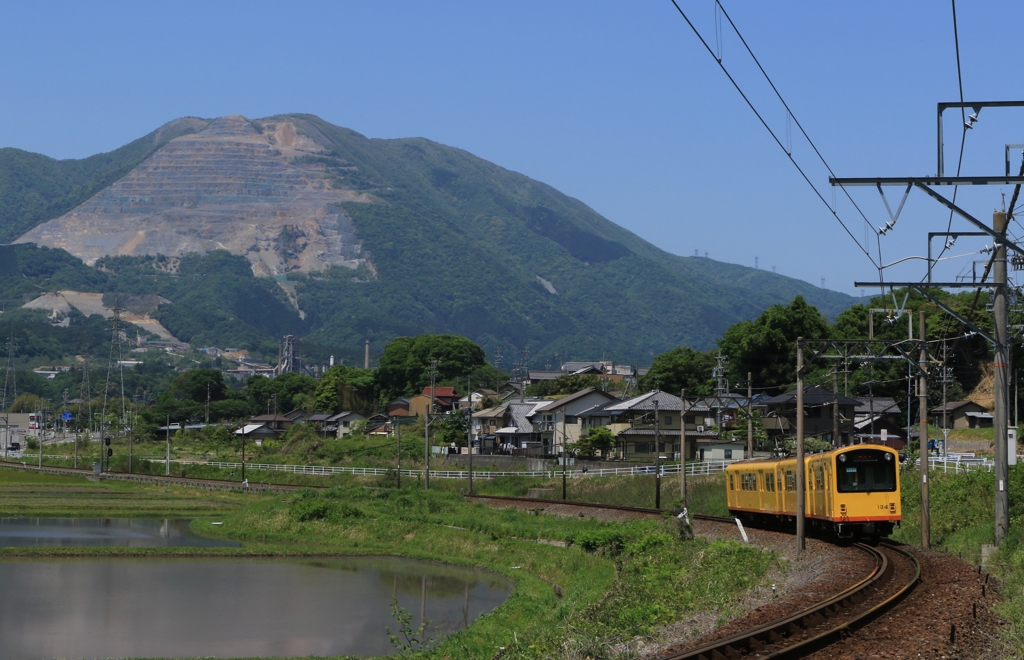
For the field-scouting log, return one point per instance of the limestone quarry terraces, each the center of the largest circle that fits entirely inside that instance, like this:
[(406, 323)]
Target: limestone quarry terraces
[(237, 185)]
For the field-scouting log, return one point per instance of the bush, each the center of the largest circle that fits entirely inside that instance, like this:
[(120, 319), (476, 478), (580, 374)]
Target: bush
[(310, 506)]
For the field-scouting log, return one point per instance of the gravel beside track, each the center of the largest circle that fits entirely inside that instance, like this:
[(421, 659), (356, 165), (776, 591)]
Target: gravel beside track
[(567, 509), (921, 626)]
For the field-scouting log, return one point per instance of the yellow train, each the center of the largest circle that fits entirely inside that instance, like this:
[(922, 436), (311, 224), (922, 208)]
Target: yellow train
[(851, 492)]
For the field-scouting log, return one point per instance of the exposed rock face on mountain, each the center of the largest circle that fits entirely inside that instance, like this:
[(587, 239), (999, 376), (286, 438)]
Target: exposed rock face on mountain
[(366, 239), (250, 187)]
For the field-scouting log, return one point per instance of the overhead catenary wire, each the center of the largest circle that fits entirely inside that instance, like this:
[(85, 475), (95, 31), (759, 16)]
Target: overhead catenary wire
[(775, 137), (963, 118)]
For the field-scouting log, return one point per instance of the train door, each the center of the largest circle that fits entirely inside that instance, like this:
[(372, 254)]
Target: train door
[(829, 511)]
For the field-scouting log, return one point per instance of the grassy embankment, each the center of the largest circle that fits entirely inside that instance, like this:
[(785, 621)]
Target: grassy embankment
[(962, 520), (613, 582)]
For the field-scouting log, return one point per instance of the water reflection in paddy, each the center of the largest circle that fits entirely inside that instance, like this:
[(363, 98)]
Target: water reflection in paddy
[(98, 608), (105, 532)]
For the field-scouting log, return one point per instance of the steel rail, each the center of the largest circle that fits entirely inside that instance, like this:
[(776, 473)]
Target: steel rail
[(754, 642)]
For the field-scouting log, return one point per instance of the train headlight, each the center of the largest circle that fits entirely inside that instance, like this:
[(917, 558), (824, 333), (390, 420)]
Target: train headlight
[(842, 458), (888, 457)]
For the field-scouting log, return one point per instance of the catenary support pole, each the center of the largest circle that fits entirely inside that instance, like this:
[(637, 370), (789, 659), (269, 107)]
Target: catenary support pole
[(922, 404), (398, 449), (801, 541), (1000, 364)]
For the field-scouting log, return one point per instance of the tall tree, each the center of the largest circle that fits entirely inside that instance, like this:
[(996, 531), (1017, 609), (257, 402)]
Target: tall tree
[(682, 367), (404, 366), (346, 388), (766, 346)]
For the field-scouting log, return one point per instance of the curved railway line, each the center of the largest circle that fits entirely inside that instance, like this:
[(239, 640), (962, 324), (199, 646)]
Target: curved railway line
[(801, 633), (793, 636)]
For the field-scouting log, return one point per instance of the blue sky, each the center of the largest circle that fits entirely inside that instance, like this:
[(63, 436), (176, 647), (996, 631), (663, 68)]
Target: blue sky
[(614, 103)]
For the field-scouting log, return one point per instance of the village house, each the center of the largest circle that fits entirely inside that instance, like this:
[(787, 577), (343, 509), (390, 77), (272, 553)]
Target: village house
[(636, 423), (341, 424), (518, 436), (963, 415), (819, 418), (558, 422), (444, 401), (877, 420)]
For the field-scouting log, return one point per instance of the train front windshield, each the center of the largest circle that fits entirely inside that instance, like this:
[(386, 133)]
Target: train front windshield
[(865, 470)]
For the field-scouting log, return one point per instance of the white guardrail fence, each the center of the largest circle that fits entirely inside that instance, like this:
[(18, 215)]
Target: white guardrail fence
[(692, 469), (951, 463)]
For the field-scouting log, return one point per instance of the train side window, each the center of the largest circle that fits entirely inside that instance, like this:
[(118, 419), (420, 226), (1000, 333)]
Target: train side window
[(731, 487), (769, 482), (819, 479), (790, 480)]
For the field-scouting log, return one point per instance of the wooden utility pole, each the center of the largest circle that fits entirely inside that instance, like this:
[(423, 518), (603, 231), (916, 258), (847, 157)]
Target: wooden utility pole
[(1000, 367), (801, 541), (922, 404), (398, 449)]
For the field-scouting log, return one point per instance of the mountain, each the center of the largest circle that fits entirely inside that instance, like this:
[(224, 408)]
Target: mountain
[(372, 239)]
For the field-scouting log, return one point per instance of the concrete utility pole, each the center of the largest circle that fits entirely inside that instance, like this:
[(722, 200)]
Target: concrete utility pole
[(801, 541), (167, 461), (1001, 363), (682, 446), (922, 404), (750, 416), (657, 455), (469, 428), (426, 433), (366, 356), (398, 449), (835, 408), (945, 413)]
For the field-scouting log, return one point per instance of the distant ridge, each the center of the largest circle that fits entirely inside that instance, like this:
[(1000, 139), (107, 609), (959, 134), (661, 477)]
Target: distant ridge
[(378, 238)]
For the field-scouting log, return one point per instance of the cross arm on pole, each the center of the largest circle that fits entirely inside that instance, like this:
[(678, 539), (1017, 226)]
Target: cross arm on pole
[(924, 292)]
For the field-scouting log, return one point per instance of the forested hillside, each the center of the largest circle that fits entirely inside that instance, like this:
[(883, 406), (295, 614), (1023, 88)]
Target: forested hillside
[(446, 243)]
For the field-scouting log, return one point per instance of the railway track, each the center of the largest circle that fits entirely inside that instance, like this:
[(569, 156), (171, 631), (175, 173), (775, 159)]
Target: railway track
[(810, 629)]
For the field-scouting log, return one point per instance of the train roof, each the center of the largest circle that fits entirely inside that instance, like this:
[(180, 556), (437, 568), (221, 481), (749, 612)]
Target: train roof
[(808, 456)]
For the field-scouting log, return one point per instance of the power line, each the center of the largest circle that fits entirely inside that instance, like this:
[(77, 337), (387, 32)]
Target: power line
[(775, 137), (963, 118)]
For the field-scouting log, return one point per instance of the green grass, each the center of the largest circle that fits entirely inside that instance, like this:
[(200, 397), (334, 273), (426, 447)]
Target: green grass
[(611, 582)]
